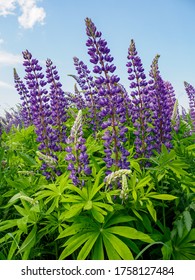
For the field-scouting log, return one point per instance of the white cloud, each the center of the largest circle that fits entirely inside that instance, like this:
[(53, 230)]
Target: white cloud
[(31, 13), (7, 58), (7, 7)]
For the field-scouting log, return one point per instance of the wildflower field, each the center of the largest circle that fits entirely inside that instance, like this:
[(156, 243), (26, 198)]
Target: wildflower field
[(103, 173)]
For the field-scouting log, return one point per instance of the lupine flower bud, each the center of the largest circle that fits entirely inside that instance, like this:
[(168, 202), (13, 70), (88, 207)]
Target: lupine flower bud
[(77, 156), (25, 98), (190, 90)]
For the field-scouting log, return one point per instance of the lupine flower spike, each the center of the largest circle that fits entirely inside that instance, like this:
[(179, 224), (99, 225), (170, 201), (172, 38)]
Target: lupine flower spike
[(110, 99), (77, 156)]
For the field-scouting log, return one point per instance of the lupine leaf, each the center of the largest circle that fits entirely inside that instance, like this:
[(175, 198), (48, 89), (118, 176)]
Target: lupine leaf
[(74, 243), (28, 242), (120, 218), (97, 215), (15, 244), (162, 196), (98, 250), (131, 233), (120, 247), (110, 250), (74, 210), (152, 211), (84, 252), (187, 220)]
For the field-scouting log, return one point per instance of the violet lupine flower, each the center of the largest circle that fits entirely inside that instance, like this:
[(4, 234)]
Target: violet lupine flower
[(25, 98), (41, 111), (173, 105), (88, 87), (160, 107), (59, 105), (183, 113), (77, 156), (76, 99), (141, 112), (171, 95), (110, 99), (39, 100), (190, 90), (11, 119)]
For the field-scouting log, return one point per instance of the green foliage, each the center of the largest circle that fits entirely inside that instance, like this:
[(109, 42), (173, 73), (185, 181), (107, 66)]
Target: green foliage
[(100, 239), (141, 213)]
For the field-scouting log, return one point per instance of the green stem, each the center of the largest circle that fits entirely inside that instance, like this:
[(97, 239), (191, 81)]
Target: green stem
[(148, 246)]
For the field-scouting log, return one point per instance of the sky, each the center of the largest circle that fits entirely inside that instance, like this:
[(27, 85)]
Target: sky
[(55, 29)]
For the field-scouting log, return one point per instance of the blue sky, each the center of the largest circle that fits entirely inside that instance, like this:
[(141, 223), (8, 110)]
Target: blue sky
[(55, 29)]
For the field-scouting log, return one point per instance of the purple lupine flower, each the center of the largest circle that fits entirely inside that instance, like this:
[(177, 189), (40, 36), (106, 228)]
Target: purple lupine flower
[(172, 103), (76, 153), (162, 112), (59, 105), (75, 99), (110, 99), (141, 112), (88, 87), (190, 90), (183, 113), (11, 119), (39, 100), (25, 98), (41, 111), (171, 95)]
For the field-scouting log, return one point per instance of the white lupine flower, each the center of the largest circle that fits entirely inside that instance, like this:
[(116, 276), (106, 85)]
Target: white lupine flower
[(50, 161), (125, 189), (115, 175), (75, 128)]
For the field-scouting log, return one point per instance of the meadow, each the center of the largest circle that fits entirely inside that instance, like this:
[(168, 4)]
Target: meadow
[(100, 173)]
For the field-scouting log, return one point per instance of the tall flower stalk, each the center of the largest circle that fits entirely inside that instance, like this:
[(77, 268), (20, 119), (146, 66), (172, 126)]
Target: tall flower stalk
[(141, 112), (162, 111), (40, 110), (25, 98), (77, 156), (190, 90), (110, 99), (59, 105), (88, 87)]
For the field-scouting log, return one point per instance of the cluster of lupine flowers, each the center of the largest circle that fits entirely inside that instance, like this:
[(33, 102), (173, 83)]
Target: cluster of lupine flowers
[(149, 105)]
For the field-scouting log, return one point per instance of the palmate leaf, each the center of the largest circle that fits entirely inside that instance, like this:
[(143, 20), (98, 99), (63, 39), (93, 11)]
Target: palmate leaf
[(117, 219), (143, 182), (161, 196), (110, 250), (84, 252), (130, 233), (98, 216), (74, 243), (15, 244), (4, 225), (151, 210), (28, 243), (74, 210), (184, 246), (71, 230), (98, 249), (119, 246), (187, 220)]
